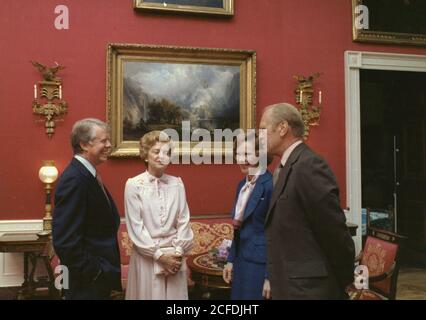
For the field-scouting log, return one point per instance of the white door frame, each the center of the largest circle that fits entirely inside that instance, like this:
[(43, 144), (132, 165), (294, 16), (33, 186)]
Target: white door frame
[(354, 62)]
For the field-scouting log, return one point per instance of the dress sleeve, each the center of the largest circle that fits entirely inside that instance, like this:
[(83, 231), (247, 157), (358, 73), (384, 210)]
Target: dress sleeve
[(184, 237), (136, 228)]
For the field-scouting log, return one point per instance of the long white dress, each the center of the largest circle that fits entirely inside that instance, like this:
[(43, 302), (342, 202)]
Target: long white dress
[(157, 216)]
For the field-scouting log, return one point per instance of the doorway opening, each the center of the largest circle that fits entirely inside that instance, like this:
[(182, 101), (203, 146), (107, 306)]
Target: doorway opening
[(393, 156)]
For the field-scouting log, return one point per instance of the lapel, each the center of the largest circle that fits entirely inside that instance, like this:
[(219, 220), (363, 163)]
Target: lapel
[(113, 208), (240, 185), (93, 184), (283, 177), (81, 168), (255, 196)]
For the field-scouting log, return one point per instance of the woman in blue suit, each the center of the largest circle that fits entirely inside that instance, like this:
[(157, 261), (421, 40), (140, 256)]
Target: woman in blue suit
[(246, 267)]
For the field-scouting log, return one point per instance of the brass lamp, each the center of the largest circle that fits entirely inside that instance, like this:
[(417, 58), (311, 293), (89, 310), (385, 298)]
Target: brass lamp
[(48, 175)]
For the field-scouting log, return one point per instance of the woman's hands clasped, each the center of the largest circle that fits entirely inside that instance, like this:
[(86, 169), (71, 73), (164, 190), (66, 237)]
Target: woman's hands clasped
[(171, 262)]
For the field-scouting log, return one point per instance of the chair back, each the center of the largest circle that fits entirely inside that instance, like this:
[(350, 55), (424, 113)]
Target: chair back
[(124, 243), (381, 254)]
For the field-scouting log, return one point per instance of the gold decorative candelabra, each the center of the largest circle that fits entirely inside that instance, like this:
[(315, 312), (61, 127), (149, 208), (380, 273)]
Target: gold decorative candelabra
[(50, 89), (304, 92)]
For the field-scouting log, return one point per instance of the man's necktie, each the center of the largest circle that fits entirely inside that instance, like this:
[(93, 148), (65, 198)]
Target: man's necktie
[(276, 174), (99, 179)]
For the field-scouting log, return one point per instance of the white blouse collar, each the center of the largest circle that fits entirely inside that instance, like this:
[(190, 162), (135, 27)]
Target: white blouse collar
[(150, 178)]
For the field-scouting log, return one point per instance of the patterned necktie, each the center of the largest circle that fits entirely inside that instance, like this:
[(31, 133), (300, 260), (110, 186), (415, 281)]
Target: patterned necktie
[(99, 179)]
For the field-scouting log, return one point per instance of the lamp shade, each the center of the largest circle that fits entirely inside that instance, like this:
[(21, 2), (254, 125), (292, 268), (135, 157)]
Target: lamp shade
[(48, 172)]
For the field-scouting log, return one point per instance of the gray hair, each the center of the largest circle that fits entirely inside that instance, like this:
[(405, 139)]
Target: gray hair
[(84, 131), (286, 112)]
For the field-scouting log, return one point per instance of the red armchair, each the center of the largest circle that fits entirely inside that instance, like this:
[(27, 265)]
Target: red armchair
[(125, 245), (381, 257)]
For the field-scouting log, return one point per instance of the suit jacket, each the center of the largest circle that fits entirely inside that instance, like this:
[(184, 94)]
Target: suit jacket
[(310, 250), (248, 249), (85, 228), (252, 241)]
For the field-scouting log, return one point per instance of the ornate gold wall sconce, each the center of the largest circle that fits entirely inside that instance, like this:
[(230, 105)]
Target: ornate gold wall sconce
[(50, 89), (304, 92)]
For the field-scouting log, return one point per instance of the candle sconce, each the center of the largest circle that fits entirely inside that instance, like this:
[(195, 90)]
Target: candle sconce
[(51, 90), (304, 98)]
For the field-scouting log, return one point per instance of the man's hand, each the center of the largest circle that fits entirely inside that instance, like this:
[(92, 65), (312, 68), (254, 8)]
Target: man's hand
[(117, 295), (227, 272), (266, 293)]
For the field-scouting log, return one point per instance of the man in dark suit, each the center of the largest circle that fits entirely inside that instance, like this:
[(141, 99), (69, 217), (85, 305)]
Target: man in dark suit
[(310, 250), (85, 220)]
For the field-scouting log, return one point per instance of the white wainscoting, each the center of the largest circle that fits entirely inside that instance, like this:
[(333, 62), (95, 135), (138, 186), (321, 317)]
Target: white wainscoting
[(12, 264)]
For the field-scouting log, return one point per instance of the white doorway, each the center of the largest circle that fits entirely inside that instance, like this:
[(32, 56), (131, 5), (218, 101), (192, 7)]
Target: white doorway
[(354, 63)]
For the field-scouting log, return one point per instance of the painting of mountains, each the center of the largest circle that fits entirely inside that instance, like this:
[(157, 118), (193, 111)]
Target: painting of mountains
[(159, 95)]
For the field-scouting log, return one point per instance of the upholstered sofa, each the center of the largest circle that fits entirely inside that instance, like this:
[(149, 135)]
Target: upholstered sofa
[(208, 233)]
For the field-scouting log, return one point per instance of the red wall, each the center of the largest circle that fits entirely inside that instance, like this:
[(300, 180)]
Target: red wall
[(290, 37)]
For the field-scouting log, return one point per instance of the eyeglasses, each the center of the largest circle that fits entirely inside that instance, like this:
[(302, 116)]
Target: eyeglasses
[(97, 140)]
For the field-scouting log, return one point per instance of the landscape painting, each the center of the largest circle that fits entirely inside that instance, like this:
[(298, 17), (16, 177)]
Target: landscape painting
[(167, 87), (158, 96)]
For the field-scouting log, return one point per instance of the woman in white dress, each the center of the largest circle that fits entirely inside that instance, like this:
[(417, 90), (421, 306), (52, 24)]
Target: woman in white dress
[(157, 218)]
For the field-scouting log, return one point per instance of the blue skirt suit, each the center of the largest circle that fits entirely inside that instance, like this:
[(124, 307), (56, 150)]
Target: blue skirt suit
[(248, 249)]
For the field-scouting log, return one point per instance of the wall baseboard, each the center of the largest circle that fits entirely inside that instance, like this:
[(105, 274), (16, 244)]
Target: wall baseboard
[(12, 264)]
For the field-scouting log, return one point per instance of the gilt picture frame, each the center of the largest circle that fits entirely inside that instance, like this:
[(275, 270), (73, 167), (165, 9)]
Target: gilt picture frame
[(151, 87), (209, 7), (394, 22)]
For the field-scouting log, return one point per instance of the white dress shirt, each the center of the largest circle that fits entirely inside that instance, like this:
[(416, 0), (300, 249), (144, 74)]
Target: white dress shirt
[(87, 164), (288, 152)]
